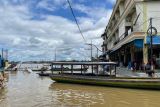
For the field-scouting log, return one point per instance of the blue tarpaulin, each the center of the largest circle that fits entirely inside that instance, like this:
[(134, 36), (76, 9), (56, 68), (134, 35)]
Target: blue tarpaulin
[(156, 40)]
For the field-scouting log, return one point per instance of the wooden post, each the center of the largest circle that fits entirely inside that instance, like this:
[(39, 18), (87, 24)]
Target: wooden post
[(92, 69), (110, 69), (103, 68), (81, 69), (84, 71), (61, 68), (115, 70), (97, 69), (52, 68), (72, 69)]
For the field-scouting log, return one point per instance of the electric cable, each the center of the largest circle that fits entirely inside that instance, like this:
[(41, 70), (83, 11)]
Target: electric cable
[(76, 20)]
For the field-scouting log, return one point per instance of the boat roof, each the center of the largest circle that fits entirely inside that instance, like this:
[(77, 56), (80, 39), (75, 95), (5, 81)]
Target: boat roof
[(84, 63)]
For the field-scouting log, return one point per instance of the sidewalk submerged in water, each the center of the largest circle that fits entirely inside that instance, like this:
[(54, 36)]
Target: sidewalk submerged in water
[(124, 72)]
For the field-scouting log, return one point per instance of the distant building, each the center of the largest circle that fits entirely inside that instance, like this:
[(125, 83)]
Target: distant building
[(125, 37)]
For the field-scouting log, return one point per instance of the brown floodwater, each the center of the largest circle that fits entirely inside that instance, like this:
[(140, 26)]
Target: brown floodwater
[(29, 90)]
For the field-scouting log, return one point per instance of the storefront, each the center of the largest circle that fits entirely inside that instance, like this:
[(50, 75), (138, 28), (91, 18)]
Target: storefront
[(156, 49), (131, 52)]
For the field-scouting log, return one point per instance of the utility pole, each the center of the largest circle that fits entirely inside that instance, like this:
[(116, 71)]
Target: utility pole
[(91, 51), (2, 52), (6, 54), (97, 54), (151, 44), (55, 55), (152, 31)]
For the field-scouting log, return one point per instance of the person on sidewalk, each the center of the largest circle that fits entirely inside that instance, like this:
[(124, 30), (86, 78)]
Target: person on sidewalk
[(150, 69)]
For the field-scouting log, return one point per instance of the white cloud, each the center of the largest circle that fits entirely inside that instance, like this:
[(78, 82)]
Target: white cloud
[(36, 39), (50, 5), (112, 1), (45, 5)]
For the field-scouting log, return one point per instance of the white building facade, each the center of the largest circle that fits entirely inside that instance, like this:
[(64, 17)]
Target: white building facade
[(125, 37)]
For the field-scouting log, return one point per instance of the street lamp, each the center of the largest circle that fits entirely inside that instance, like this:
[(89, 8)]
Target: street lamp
[(152, 31)]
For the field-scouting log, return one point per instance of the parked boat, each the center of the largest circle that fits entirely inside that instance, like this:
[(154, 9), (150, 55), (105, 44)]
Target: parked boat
[(41, 69), (134, 83), (43, 74), (28, 70)]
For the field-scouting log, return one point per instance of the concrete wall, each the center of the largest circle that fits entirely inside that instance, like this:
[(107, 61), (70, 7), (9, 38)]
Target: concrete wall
[(153, 10), (121, 29), (147, 10)]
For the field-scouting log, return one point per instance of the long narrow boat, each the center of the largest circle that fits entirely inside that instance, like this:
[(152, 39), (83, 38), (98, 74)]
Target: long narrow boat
[(136, 83)]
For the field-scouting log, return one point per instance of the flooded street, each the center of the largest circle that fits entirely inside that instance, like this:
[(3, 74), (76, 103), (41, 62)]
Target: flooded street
[(29, 90)]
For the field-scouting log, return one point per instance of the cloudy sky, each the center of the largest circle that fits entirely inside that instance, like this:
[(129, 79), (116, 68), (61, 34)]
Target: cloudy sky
[(34, 29)]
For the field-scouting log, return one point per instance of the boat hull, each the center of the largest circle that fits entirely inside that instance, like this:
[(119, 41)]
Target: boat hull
[(151, 84), (43, 74)]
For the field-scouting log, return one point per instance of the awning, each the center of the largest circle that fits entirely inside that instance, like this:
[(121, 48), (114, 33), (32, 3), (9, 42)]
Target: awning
[(156, 40), (136, 40), (138, 43)]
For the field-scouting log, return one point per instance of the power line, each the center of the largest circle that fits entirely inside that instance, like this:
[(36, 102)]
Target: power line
[(76, 20)]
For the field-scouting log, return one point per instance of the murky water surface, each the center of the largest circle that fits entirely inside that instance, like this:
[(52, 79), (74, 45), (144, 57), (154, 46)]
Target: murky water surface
[(29, 90)]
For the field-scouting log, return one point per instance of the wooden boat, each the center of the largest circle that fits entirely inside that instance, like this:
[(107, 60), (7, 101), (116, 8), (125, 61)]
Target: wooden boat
[(36, 69), (134, 83), (28, 70), (44, 74), (12, 67), (41, 69)]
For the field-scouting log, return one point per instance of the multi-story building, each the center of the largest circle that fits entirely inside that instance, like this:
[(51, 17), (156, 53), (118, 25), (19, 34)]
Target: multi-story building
[(125, 37)]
